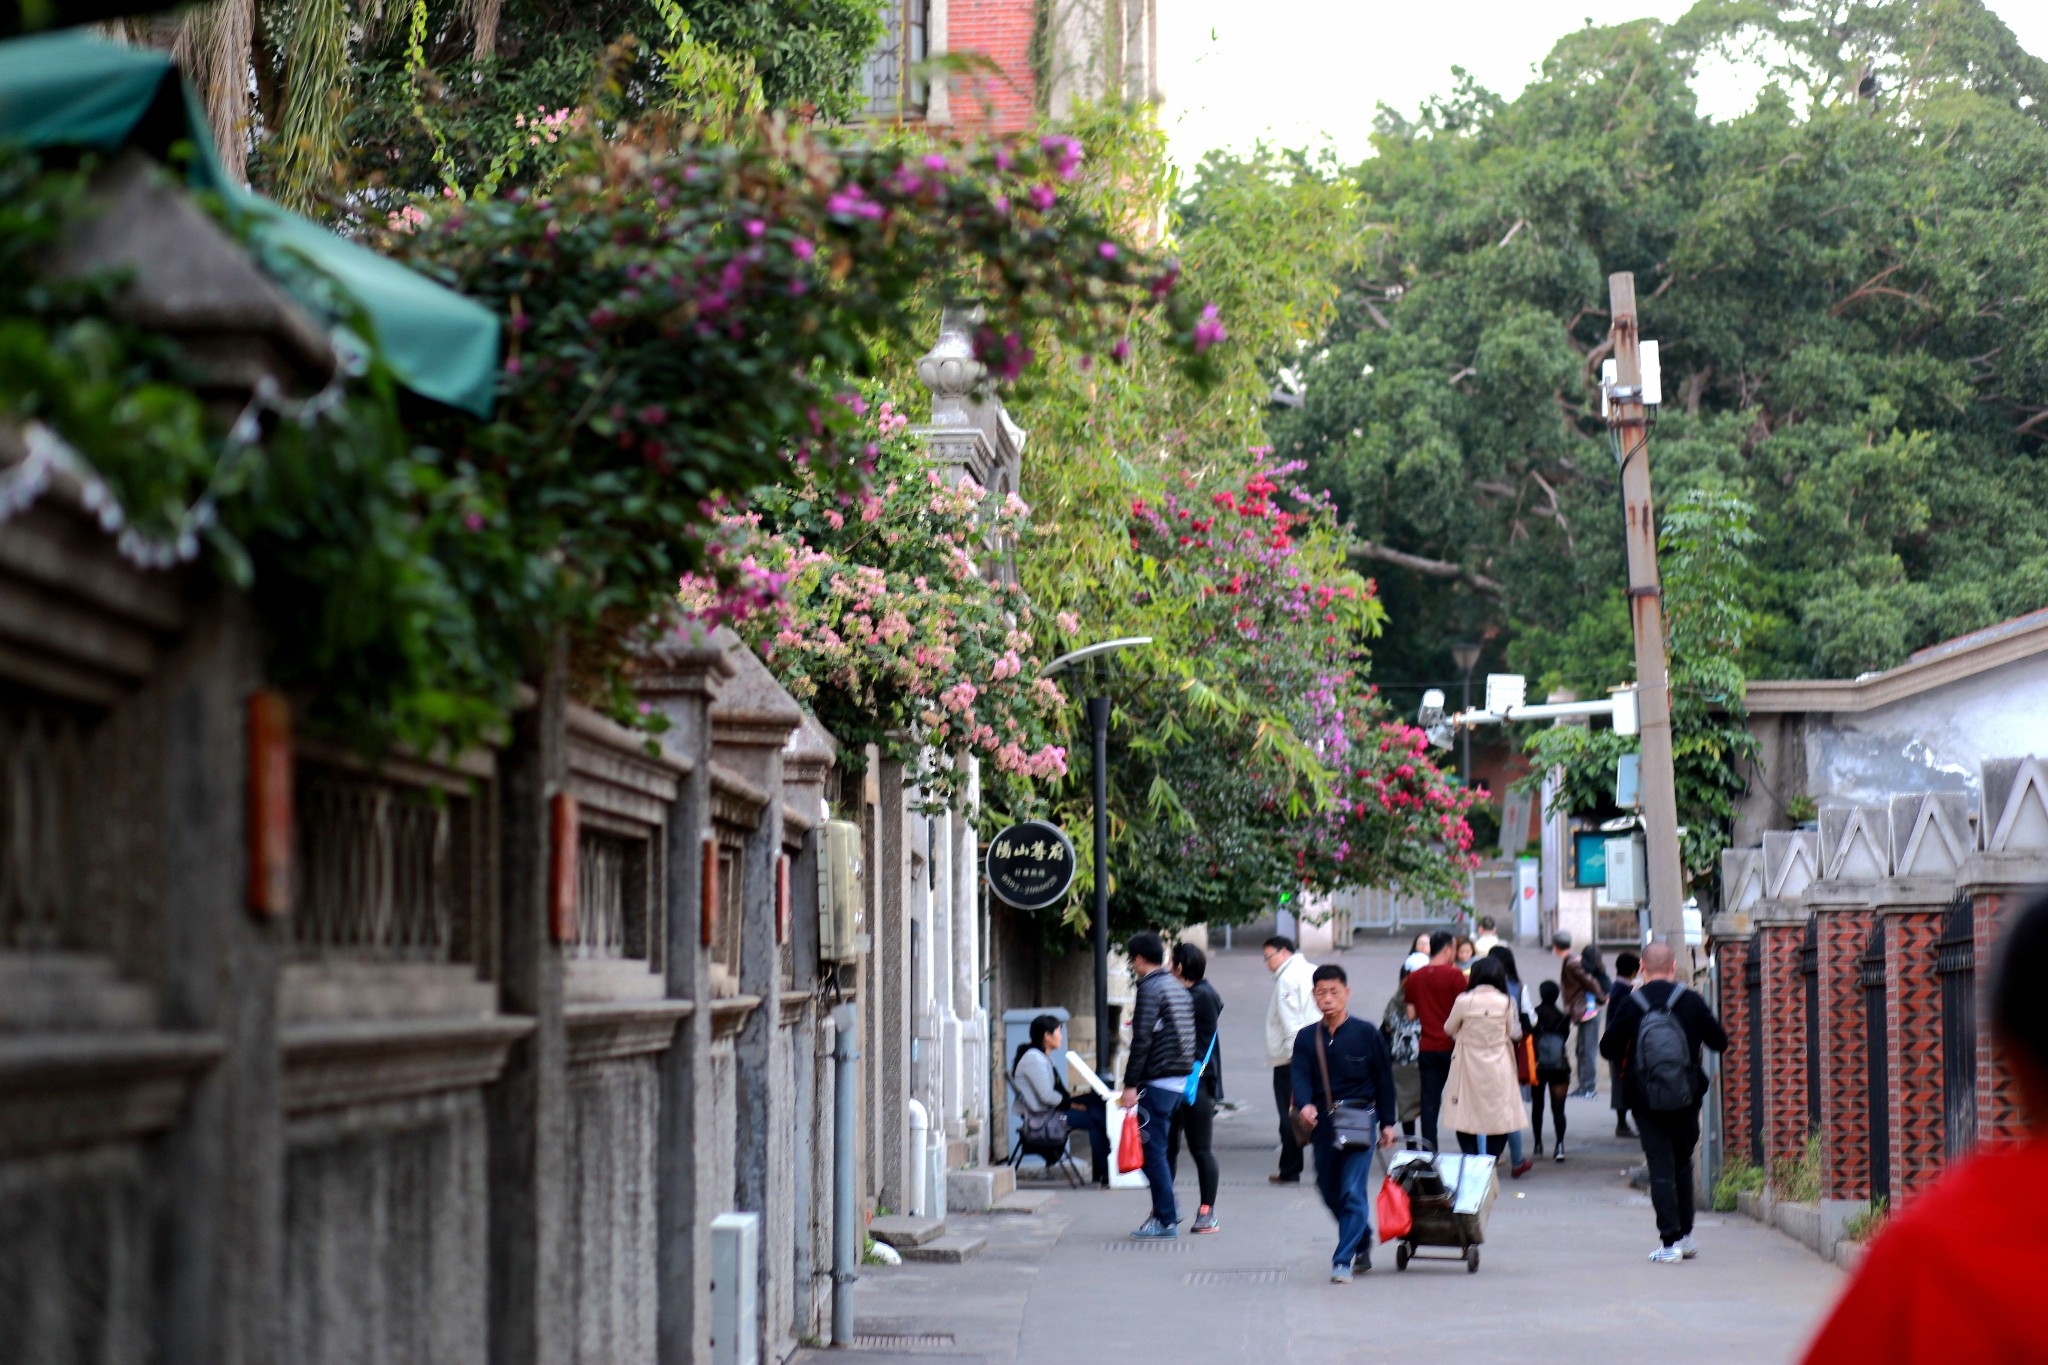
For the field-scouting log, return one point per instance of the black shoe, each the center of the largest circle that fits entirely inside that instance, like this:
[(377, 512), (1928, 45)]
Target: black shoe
[(1622, 1130), (1282, 1178), (1362, 1262)]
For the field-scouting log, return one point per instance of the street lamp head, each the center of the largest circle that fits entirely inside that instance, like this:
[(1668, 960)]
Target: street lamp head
[(1466, 655), (1432, 707), (1087, 652)]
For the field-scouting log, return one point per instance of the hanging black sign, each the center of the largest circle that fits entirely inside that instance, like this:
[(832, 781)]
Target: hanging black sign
[(1031, 865)]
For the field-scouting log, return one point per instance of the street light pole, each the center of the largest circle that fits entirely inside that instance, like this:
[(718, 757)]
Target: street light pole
[(1098, 725), (1466, 657), (1629, 420)]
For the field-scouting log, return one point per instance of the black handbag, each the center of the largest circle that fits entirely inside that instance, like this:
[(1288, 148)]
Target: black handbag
[(1353, 1128), (1049, 1127)]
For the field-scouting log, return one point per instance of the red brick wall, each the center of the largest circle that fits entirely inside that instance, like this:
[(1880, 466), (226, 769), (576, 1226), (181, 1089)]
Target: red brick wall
[(1998, 1109), (1845, 1055), (1784, 1024), (1004, 101), (1732, 957), (1913, 1039)]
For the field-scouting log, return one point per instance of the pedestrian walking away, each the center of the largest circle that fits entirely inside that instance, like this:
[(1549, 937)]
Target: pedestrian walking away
[(1046, 1110), (1626, 965), (1292, 1009), (1583, 996), (1957, 1274), (1402, 1033), (1195, 1120), (1525, 1067), (1488, 937), (1433, 990), (1482, 1099), (1156, 1076), (1344, 1092), (1553, 1066), (1657, 1036)]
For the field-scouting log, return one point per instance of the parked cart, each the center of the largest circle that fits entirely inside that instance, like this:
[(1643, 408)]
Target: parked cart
[(1448, 1200)]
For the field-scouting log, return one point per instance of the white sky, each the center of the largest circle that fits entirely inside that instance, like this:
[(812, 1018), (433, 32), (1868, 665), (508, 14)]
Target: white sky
[(1307, 72)]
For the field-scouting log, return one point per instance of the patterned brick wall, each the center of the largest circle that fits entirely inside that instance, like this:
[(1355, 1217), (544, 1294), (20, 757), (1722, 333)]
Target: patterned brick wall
[(1913, 1005), (1998, 1111), (1733, 958), (1845, 1058), (1785, 1125), (1004, 100)]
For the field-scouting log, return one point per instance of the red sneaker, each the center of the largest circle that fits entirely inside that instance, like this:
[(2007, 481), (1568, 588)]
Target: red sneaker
[(1523, 1169)]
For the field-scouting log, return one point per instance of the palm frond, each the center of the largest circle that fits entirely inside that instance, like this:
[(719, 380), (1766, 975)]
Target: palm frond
[(315, 42), (212, 46)]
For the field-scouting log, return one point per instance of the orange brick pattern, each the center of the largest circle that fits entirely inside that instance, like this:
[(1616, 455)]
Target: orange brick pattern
[(1845, 1058), (1001, 101), (1784, 1024), (1913, 1037), (1736, 1090), (1998, 1110)]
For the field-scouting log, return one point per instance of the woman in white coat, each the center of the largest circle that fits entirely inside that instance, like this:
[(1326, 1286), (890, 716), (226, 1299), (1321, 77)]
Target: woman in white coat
[(1482, 1098)]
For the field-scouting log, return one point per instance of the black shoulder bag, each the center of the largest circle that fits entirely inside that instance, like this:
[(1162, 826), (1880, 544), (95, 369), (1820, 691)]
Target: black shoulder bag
[(1353, 1128)]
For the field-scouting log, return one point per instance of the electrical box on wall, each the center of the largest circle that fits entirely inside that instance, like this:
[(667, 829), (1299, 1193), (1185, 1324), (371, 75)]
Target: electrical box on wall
[(842, 899), (1627, 882)]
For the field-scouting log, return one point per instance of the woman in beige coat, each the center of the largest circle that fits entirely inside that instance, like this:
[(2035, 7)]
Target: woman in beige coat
[(1482, 1099)]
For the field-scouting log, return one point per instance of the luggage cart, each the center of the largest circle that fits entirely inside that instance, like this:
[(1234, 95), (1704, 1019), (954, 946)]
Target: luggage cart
[(1448, 1200)]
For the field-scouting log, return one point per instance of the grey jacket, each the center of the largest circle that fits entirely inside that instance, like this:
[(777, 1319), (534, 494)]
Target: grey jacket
[(1162, 1030), (1038, 1091)]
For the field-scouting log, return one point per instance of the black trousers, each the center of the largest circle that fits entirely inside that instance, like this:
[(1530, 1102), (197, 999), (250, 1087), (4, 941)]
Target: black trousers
[(1669, 1137), (1196, 1122), (1283, 1099), (1436, 1071)]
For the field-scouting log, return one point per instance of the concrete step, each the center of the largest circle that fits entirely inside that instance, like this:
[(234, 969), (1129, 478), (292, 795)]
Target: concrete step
[(951, 1249), (1024, 1201), (978, 1190), (957, 1153), (904, 1232)]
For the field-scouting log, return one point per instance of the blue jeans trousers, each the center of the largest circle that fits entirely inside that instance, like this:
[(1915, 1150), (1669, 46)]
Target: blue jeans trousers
[(1156, 1108), (1344, 1178)]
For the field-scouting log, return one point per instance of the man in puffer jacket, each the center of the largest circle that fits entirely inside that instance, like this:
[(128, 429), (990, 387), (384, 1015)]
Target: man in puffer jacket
[(1162, 1059)]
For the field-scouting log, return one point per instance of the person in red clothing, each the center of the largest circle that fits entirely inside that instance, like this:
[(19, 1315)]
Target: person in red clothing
[(1957, 1274), (1433, 990)]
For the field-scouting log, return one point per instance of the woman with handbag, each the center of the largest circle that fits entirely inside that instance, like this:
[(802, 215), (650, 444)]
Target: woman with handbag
[(1401, 1029), (1482, 1102), (1344, 1104), (1047, 1110)]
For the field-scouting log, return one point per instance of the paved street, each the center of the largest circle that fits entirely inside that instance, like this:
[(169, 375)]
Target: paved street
[(1563, 1275)]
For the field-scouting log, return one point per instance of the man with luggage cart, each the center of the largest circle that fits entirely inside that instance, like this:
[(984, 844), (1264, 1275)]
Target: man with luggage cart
[(1344, 1099)]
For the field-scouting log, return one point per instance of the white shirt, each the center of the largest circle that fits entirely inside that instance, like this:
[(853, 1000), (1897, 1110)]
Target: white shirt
[(1293, 1008), (1486, 943)]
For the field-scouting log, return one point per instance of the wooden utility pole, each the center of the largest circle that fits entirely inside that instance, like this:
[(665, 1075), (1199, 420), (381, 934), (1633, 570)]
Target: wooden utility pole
[(1628, 418)]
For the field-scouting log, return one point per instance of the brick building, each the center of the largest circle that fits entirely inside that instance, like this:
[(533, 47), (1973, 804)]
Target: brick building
[(1026, 59)]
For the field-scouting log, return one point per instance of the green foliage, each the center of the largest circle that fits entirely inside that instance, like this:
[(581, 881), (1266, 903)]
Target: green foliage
[(1587, 758), (1866, 1222), (1798, 1178), (1850, 292), (1738, 1176)]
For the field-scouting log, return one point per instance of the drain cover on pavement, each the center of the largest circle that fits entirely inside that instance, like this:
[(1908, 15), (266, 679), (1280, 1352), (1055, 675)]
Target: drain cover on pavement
[(1201, 1277), (1161, 1245), (903, 1341)]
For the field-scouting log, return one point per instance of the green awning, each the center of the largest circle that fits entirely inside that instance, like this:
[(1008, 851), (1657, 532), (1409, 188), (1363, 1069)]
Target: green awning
[(69, 90)]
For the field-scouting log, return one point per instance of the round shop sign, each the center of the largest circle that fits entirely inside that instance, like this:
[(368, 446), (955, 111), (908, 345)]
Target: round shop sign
[(1031, 865)]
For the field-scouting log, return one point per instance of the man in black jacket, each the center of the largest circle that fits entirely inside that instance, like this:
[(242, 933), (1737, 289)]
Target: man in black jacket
[(1669, 1134), (1341, 1061), (1162, 1058)]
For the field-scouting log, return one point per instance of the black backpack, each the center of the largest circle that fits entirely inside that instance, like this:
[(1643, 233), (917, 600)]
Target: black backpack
[(1550, 1052), (1663, 1056)]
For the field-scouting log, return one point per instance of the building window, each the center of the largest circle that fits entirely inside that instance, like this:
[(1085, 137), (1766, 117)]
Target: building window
[(891, 86)]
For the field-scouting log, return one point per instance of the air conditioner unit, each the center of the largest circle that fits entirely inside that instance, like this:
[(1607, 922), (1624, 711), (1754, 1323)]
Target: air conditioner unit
[(842, 913)]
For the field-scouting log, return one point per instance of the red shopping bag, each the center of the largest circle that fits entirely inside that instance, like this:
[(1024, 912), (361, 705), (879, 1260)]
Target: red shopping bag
[(1395, 1220), (1130, 1148)]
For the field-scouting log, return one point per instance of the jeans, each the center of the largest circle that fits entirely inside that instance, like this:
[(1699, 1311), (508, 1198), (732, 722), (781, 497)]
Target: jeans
[(1086, 1113), (1197, 1122), (1283, 1099), (1589, 1054), (1156, 1108), (1344, 1179), (1669, 1137), (1436, 1070)]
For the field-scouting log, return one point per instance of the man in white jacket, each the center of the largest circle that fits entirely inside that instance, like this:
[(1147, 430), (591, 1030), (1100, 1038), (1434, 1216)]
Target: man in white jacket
[(1293, 1009)]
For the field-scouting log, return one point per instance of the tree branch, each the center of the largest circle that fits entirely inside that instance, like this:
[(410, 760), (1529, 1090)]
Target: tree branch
[(1433, 568)]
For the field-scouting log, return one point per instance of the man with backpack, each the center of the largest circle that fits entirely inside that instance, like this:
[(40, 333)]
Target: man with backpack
[(1655, 1036)]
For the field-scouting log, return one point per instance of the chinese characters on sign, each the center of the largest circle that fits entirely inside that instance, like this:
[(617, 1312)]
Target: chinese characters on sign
[(1031, 865)]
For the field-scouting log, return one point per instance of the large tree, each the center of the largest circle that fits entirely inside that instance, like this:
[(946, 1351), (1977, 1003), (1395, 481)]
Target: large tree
[(1849, 284)]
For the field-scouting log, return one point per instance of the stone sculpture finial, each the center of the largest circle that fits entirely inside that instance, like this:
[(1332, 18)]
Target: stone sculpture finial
[(949, 369)]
